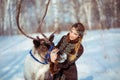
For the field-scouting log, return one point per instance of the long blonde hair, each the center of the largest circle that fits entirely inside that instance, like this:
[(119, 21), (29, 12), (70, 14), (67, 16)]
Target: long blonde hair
[(77, 46)]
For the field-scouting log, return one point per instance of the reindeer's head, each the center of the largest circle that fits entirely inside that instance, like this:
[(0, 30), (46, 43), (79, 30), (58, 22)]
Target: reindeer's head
[(42, 45)]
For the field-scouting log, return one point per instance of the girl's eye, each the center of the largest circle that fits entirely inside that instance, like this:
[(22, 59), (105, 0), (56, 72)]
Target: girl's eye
[(75, 33)]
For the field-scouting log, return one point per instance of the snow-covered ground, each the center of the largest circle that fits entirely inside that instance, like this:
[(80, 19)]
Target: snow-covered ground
[(100, 60)]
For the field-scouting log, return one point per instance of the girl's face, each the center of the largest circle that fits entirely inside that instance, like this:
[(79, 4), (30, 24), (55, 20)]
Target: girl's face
[(73, 34)]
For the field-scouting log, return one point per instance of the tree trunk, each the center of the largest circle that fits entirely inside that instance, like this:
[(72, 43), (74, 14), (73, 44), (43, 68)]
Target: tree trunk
[(88, 15), (100, 9)]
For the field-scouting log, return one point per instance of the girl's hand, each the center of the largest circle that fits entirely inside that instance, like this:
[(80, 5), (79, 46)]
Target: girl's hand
[(53, 55)]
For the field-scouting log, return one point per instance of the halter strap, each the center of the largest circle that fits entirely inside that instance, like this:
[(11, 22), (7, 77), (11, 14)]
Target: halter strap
[(47, 56)]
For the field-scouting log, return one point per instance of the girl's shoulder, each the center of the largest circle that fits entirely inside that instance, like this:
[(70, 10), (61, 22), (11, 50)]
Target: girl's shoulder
[(81, 49), (81, 46), (63, 37)]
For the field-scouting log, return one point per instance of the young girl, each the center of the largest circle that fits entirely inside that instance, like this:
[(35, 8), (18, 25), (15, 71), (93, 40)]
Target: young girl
[(70, 45)]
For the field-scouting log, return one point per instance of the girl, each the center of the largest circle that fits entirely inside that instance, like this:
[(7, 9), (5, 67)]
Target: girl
[(70, 45)]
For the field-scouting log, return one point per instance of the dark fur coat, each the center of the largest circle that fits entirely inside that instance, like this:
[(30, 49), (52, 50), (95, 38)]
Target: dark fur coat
[(68, 70)]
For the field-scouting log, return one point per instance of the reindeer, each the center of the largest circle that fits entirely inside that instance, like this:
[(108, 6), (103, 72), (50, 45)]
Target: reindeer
[(37, 65)]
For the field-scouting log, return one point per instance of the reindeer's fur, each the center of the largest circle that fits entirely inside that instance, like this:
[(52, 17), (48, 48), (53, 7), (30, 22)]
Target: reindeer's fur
[(34, 70)]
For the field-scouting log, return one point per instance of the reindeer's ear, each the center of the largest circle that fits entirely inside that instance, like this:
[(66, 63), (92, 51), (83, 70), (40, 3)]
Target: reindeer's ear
[(51, 38), (36, 43)]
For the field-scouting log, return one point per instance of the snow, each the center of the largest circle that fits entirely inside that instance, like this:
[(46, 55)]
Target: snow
[(100, 60)]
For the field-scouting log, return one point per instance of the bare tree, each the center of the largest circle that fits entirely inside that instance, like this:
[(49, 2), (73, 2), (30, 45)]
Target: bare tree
[(101, 14), (76, 7), (2, 8)]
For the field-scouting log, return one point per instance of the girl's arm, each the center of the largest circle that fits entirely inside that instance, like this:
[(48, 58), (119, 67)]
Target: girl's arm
[(67, 63)]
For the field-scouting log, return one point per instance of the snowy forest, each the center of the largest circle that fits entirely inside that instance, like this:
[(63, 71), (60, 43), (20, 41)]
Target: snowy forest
[(101, 18), (94, 14)]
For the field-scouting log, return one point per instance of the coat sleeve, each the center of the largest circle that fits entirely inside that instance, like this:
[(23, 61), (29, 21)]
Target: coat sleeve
[(67, 63)]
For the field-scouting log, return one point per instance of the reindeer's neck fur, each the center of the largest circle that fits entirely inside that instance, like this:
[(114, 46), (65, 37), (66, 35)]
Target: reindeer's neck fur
[(38, 55)]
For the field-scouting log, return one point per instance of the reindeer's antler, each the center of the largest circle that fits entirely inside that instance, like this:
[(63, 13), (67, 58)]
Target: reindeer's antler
[(47, 5), (17, 19)]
